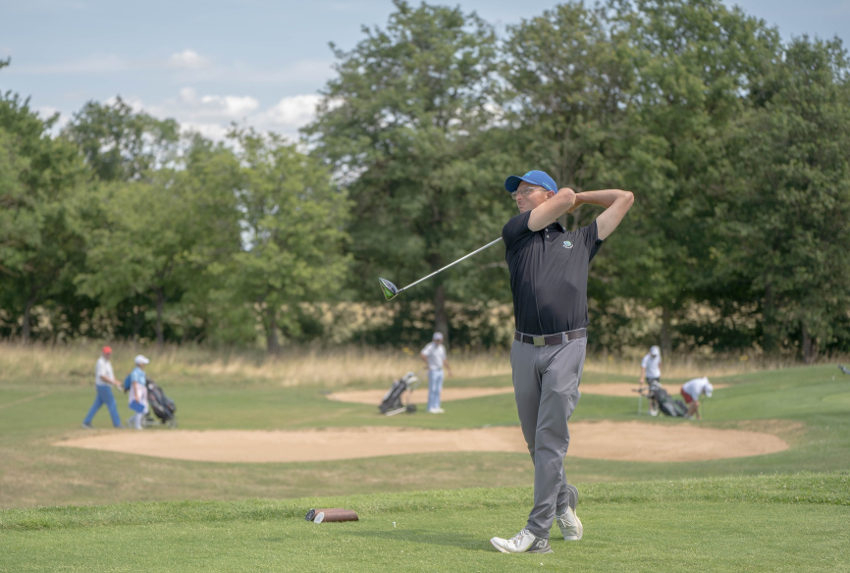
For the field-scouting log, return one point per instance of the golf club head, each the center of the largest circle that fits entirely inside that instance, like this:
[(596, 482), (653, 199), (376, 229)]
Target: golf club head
[(389, 289)]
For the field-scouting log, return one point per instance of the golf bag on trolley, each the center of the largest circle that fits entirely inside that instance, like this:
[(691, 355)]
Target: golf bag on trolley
[(667, 405), (393, 402), (161, 405)]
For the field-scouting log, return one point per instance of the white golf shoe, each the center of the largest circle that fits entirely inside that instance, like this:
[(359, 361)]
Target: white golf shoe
[(570, 524), (522, 542)]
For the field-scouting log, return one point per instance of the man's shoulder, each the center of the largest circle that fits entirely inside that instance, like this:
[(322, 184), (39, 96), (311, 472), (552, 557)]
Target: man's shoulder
[(516, 227)]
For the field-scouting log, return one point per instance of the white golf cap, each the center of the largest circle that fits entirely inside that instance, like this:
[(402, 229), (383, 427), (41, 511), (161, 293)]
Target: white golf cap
[(654, 350), (142, 360), (438, 336), (708, 388)]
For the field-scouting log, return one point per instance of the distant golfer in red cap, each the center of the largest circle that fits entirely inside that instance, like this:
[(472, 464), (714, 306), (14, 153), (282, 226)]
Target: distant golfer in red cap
[(103, 377)]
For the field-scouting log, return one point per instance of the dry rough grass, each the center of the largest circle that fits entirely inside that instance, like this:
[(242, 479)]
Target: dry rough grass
[(294, 367), (304, 366)]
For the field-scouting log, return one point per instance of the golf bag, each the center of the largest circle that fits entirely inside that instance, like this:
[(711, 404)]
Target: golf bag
[(393, 402), (666, 404), (161, 405)]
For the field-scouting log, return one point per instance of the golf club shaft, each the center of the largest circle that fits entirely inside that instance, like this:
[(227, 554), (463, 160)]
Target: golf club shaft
[(463, 258)]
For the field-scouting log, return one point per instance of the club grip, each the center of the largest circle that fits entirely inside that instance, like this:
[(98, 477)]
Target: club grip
[(331, 514)]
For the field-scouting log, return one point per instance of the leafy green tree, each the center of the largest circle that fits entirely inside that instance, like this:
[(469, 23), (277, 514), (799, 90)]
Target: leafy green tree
[(121, 144), (208, 182), (404, 125), (293, 233), (569, 79), (40, 250), (149, 253), (693, 62), (141, 258), (140, 250), (571, 83), (787, 228)]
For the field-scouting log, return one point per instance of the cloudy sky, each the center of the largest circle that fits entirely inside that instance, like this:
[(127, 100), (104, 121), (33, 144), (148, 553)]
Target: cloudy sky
[(255, 62)]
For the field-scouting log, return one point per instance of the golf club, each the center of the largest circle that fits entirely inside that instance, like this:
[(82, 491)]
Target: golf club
[(391, 291)]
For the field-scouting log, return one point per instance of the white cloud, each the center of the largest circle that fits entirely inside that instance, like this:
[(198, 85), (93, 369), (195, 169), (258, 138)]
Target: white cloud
[(226, 107), (229, 106), (46, 112), (212, 115), (292, 112), (213, 131), (188, 95), (188, 60)]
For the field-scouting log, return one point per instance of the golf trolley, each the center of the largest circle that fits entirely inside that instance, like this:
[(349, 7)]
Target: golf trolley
[(393, 402), (161, 405), (666, 404)]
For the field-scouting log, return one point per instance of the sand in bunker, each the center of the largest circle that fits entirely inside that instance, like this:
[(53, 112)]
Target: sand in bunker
[(626, 441)]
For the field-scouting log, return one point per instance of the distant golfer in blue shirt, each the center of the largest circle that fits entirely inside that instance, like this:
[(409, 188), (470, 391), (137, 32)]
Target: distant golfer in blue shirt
[(138, 398), (434, 356)]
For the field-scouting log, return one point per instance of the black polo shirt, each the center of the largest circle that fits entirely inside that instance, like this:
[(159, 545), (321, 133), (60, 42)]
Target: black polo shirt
[(549, 274)]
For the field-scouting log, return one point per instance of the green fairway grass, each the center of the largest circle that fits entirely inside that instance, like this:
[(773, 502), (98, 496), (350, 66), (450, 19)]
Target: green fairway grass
[(722, 524), (84, 510)]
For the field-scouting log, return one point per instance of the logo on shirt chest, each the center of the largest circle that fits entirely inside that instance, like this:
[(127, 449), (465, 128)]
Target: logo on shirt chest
[(567, 244)]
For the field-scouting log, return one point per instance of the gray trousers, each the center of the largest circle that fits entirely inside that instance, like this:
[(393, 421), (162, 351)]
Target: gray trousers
[(546, 380)]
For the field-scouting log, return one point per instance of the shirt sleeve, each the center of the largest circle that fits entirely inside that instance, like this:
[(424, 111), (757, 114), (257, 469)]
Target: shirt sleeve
[(138, 376), (591, 239), (515, 229)]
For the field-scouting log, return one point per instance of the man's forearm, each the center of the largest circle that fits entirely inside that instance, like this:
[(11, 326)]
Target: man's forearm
[(601, 197)]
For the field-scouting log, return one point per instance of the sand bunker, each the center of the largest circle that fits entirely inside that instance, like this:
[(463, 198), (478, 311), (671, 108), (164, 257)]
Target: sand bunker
[(627, 441), (659, 441)]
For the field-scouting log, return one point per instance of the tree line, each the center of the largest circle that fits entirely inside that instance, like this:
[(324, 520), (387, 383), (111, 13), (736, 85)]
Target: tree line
[(733, 141)]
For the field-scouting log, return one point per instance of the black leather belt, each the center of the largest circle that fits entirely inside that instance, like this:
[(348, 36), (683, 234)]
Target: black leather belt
[(550, 339)]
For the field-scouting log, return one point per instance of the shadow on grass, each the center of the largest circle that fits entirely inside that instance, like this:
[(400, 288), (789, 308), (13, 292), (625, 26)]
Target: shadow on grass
[(450, 539)]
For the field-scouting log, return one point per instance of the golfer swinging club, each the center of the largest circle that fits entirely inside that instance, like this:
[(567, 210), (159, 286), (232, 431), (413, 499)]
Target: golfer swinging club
[(549, 268)]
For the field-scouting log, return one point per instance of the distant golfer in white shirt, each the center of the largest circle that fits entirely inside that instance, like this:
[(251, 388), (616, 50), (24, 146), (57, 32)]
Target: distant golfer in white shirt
[(650, 371), (434, 356), (692, 390), (103, 378)]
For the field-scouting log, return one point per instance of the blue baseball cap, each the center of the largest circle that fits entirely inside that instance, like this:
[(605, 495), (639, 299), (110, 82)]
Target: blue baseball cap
[(534, 177)]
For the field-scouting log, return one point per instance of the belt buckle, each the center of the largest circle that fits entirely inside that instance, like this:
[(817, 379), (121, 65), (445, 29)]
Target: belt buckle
[(538, 340)]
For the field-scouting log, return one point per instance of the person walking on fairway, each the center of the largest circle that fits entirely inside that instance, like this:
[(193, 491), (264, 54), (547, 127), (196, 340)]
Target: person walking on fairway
[(434, 356), (650, 371), (548, 272), (138, 398), (103, 378)]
